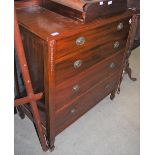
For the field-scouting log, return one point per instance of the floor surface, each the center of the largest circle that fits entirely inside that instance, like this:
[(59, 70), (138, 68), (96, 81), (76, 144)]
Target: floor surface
[(110, 128)]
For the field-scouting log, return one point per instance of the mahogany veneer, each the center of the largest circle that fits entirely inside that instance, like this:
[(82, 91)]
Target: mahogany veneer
[(75, 65), (85, 10)]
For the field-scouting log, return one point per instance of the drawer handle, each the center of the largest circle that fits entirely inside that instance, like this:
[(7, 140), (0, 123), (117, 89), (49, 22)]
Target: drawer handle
[(73, 111), (112, 65), (77, 63), (116, 45), (80, 41), (76, 88), (120, 26)]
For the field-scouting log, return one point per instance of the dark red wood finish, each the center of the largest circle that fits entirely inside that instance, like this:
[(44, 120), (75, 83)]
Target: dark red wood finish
[(27, 3), (85, 11), (31, 97), (27, 99), (95, 37), (81, 105), (86, 80), (49, 90), (51, 58), (34, 47)]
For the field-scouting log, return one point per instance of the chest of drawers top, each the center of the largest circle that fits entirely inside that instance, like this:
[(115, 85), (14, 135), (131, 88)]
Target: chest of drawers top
[(48, 25)]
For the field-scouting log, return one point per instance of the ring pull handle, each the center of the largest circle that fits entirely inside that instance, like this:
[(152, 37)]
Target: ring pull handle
[(73, 111), (80, 41), (120, 26), (112, 65), (116, 45), (78, 64), (76, 88)]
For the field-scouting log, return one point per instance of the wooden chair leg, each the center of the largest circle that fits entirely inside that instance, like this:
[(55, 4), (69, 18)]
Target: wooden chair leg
[(17, 95), (38, 124), (27, 82)]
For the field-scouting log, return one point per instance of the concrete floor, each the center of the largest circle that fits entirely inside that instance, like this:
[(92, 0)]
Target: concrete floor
[(110, 128)]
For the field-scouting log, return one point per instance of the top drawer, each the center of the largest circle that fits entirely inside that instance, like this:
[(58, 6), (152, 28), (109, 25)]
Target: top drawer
[(88, 39)]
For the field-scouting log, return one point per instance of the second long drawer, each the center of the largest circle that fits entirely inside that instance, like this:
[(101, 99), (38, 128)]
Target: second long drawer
[(76, 86), (77, 63)]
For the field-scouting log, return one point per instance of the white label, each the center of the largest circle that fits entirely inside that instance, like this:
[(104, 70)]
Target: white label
[(101, 3), (55, 33), (130, 21), (109, 2)]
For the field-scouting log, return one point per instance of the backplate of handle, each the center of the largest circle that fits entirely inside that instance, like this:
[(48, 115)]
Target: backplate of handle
[(77, 63), (76, 88), (120, 26), (116, 45), (80, 41)]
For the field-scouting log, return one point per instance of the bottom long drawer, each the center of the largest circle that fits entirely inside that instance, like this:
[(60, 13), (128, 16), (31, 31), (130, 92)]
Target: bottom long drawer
[(72, 112)]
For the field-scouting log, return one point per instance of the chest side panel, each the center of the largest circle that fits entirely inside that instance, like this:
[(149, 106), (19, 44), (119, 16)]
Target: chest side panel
[(34, 50)]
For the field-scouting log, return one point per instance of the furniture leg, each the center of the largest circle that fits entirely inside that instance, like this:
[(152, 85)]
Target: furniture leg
[(51, 149), (113, 94), (129, 72), (20, 112), (50, 97), (17, 95), (38, 124)]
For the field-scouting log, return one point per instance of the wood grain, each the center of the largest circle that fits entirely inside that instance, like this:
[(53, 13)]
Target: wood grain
[(85, 11), (97, 36), (87, 79), (43, 22), (51, 58), (66, 116)]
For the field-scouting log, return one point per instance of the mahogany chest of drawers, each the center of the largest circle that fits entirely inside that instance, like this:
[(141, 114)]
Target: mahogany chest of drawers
[(76, 65)]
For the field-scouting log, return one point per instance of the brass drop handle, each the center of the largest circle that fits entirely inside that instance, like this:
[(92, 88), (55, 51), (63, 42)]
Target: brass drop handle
[(80, 41), (116, 45), (77, 63), (120, 26), (112, 65), (76, 88)]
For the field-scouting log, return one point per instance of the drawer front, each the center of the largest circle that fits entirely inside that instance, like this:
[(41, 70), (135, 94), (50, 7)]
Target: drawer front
[(77, 63), (69, 90), (72, 112), (88, 39)]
